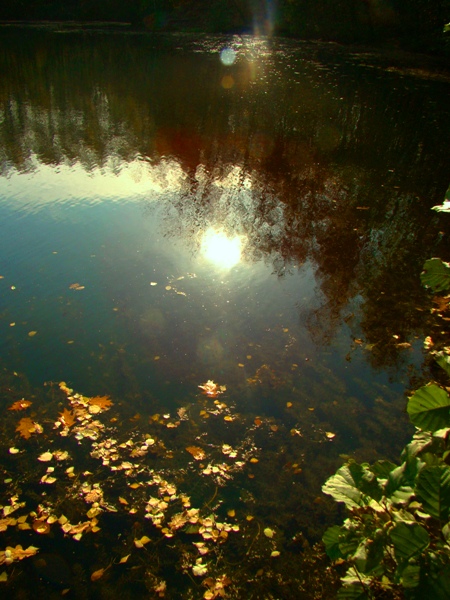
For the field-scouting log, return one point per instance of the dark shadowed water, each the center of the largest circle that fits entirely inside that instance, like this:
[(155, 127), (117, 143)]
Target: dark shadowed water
[(172, 214)]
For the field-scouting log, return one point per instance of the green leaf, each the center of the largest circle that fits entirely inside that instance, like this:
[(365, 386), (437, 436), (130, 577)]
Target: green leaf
[(433, 489), (429, 408), (365, 480), (420, 441), (331, 539), (409, 539), (436, 275), (352, 588), (342, 488), (402, 495), (411, 576), (436, 583), (345, 486), (443, 360), (382, 468), (403, 477), (446, 532)]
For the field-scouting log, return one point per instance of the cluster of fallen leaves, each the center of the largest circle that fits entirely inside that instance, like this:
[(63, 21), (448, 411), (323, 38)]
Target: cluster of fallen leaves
[(143, 489), (10, 554)]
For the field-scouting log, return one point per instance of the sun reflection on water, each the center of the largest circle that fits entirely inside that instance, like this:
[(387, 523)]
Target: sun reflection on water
[(218, 248)]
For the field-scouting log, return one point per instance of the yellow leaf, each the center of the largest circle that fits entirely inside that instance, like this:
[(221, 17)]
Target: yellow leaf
[(45, 457), (124, 559), (141, 543)]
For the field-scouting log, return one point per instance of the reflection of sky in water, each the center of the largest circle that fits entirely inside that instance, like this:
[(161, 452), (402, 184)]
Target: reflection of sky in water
[(44, 184), (213, 313)]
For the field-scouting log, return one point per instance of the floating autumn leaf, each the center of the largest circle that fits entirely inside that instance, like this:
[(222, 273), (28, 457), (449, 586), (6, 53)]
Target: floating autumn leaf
[(45, 457), (11, 554), (41, 526), (141, 543), (199, 569), (99, 573), (66, 418), (197, 453), (124, 559), (101, 401), (20, 405), (212, 389), (26, 427)]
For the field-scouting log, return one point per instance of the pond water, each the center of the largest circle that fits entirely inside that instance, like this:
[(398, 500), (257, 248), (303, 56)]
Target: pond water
[(177, 211)]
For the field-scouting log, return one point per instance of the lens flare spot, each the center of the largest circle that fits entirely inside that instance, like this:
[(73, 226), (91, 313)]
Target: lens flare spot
[(227, 82), (227, 56)]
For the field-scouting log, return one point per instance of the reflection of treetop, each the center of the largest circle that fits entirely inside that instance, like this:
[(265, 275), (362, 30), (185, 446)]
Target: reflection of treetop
[(304, 162)]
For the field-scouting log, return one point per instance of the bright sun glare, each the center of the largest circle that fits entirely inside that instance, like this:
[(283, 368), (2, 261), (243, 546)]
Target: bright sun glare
[(221, 250)]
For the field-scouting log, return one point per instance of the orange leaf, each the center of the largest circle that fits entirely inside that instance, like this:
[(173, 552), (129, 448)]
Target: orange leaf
[(196, 452), (26, 427), (67, 418), (97, 574), (20, 405), (101, 401)]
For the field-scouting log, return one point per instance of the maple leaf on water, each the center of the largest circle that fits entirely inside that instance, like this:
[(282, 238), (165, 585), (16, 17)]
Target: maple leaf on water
[(20, 405), (212, 389), (26, 427), (66, 418), (103, 402)]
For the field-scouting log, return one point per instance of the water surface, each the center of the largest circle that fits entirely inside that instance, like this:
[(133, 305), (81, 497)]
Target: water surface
[(168, 219)]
